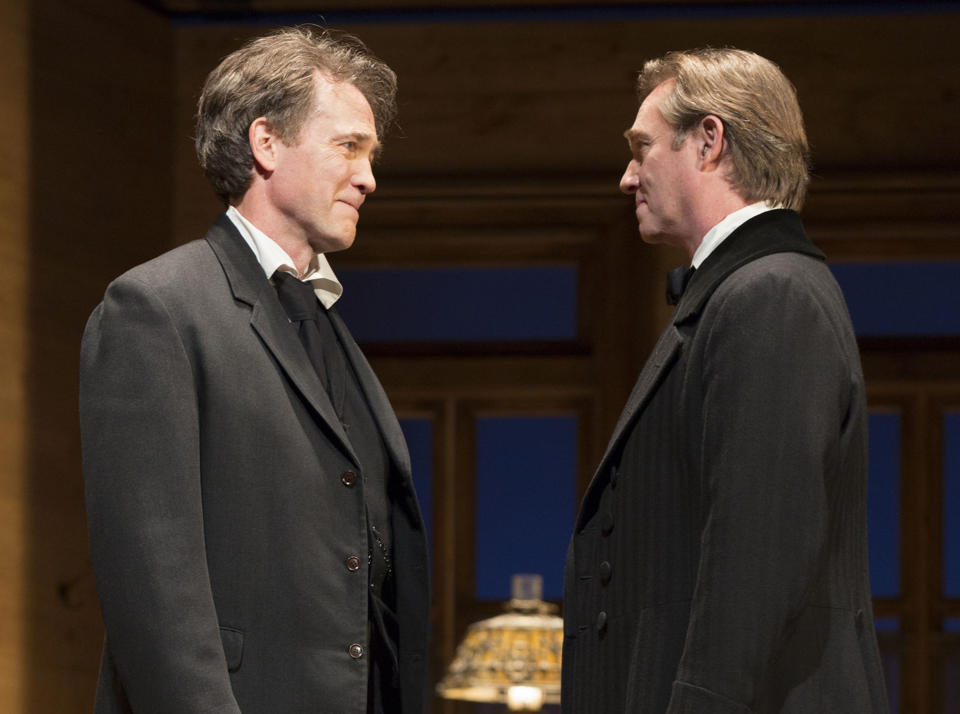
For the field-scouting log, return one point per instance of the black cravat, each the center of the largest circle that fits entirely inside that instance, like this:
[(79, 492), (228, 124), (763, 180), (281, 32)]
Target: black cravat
[(677, 280), (315, 332)]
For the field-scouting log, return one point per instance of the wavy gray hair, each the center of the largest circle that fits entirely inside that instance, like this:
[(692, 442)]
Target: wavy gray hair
[(272, 77)]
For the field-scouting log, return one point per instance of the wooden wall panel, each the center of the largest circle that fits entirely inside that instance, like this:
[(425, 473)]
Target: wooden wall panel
[(553, 98), (180, 8), (14, 208), (100, 99), (918, 379), (886, 215)]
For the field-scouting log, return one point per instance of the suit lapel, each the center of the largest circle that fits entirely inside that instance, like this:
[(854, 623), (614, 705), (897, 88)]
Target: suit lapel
[(376, 397), (661, 360), (383, 414), (268, 320)]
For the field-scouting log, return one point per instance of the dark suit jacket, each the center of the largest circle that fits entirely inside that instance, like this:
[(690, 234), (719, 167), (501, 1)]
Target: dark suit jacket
[(219, 522), (719, 561)]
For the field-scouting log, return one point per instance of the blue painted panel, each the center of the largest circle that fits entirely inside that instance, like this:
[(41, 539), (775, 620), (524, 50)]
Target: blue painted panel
[(883, 505), (951, 504), (460, 304), (887, 624), (419, 436), (902, 298), (525, 501)]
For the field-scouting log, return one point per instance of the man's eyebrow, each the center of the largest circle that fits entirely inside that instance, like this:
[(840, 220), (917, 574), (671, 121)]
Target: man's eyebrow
[(360, 136), (635, 137)]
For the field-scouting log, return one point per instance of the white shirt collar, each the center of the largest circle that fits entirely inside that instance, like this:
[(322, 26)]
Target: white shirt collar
[(273, 258), (716, 235)]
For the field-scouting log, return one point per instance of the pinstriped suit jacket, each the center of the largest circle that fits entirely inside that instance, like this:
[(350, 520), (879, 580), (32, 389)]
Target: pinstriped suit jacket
[(719, 560), (219, 523)]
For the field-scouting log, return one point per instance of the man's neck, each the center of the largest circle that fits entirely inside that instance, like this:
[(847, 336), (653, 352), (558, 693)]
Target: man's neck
[(724, 228), (259, 213), (711, 212)]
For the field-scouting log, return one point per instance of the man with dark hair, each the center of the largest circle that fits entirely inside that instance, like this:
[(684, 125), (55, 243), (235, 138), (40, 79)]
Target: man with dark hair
[(254, 531), (719, 560)]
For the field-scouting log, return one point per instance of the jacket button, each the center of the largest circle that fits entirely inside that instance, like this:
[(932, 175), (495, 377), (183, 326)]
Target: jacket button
[(601, 621), (606, 523), (356, 650), (348, 478), (606, 570), (353, 563)]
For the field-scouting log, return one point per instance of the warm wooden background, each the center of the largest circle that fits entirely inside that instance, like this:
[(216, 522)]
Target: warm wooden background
[(510, 151)]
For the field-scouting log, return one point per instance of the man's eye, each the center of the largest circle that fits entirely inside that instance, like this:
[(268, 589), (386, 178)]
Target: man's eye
[(350, 145)]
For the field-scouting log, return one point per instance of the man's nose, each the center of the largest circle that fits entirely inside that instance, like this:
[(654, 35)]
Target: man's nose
[(629, 182), (363, 177)]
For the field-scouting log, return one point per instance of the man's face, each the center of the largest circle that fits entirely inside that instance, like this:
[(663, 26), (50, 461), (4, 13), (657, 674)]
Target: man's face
[(660, 177), (321, 179)]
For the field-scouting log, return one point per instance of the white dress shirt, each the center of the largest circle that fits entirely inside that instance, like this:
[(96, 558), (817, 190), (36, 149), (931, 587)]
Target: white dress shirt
[(273, 258)]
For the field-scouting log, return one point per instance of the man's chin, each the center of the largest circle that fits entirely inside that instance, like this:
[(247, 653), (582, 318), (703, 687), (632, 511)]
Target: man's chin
[(332, 244), (653, 237)]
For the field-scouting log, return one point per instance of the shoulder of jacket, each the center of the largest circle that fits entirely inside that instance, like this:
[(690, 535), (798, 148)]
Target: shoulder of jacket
[(176, 266)]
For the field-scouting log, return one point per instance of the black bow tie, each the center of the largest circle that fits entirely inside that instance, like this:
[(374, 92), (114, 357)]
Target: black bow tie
[(677, 280)]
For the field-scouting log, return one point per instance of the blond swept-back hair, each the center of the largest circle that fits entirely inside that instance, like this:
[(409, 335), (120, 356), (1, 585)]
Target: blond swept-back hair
[(272, 77), (758, 106)]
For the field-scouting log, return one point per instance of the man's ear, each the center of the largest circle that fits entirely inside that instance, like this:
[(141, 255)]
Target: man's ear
[(263, 144), (710, 136)]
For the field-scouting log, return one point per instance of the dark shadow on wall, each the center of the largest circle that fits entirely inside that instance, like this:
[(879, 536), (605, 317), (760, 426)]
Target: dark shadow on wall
[(101, 111)]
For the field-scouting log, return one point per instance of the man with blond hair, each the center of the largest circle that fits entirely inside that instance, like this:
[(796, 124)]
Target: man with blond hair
[(254, 531), (719, 560)]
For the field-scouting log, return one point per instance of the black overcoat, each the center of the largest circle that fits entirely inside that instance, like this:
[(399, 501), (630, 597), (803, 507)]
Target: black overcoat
[(719, 560)]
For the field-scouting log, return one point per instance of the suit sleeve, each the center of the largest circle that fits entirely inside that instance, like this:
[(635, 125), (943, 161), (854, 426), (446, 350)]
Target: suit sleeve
[(140, 436), (775, 389)]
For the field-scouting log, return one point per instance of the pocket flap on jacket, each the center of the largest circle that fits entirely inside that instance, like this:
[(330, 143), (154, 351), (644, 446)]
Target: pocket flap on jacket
[(232, 647)]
